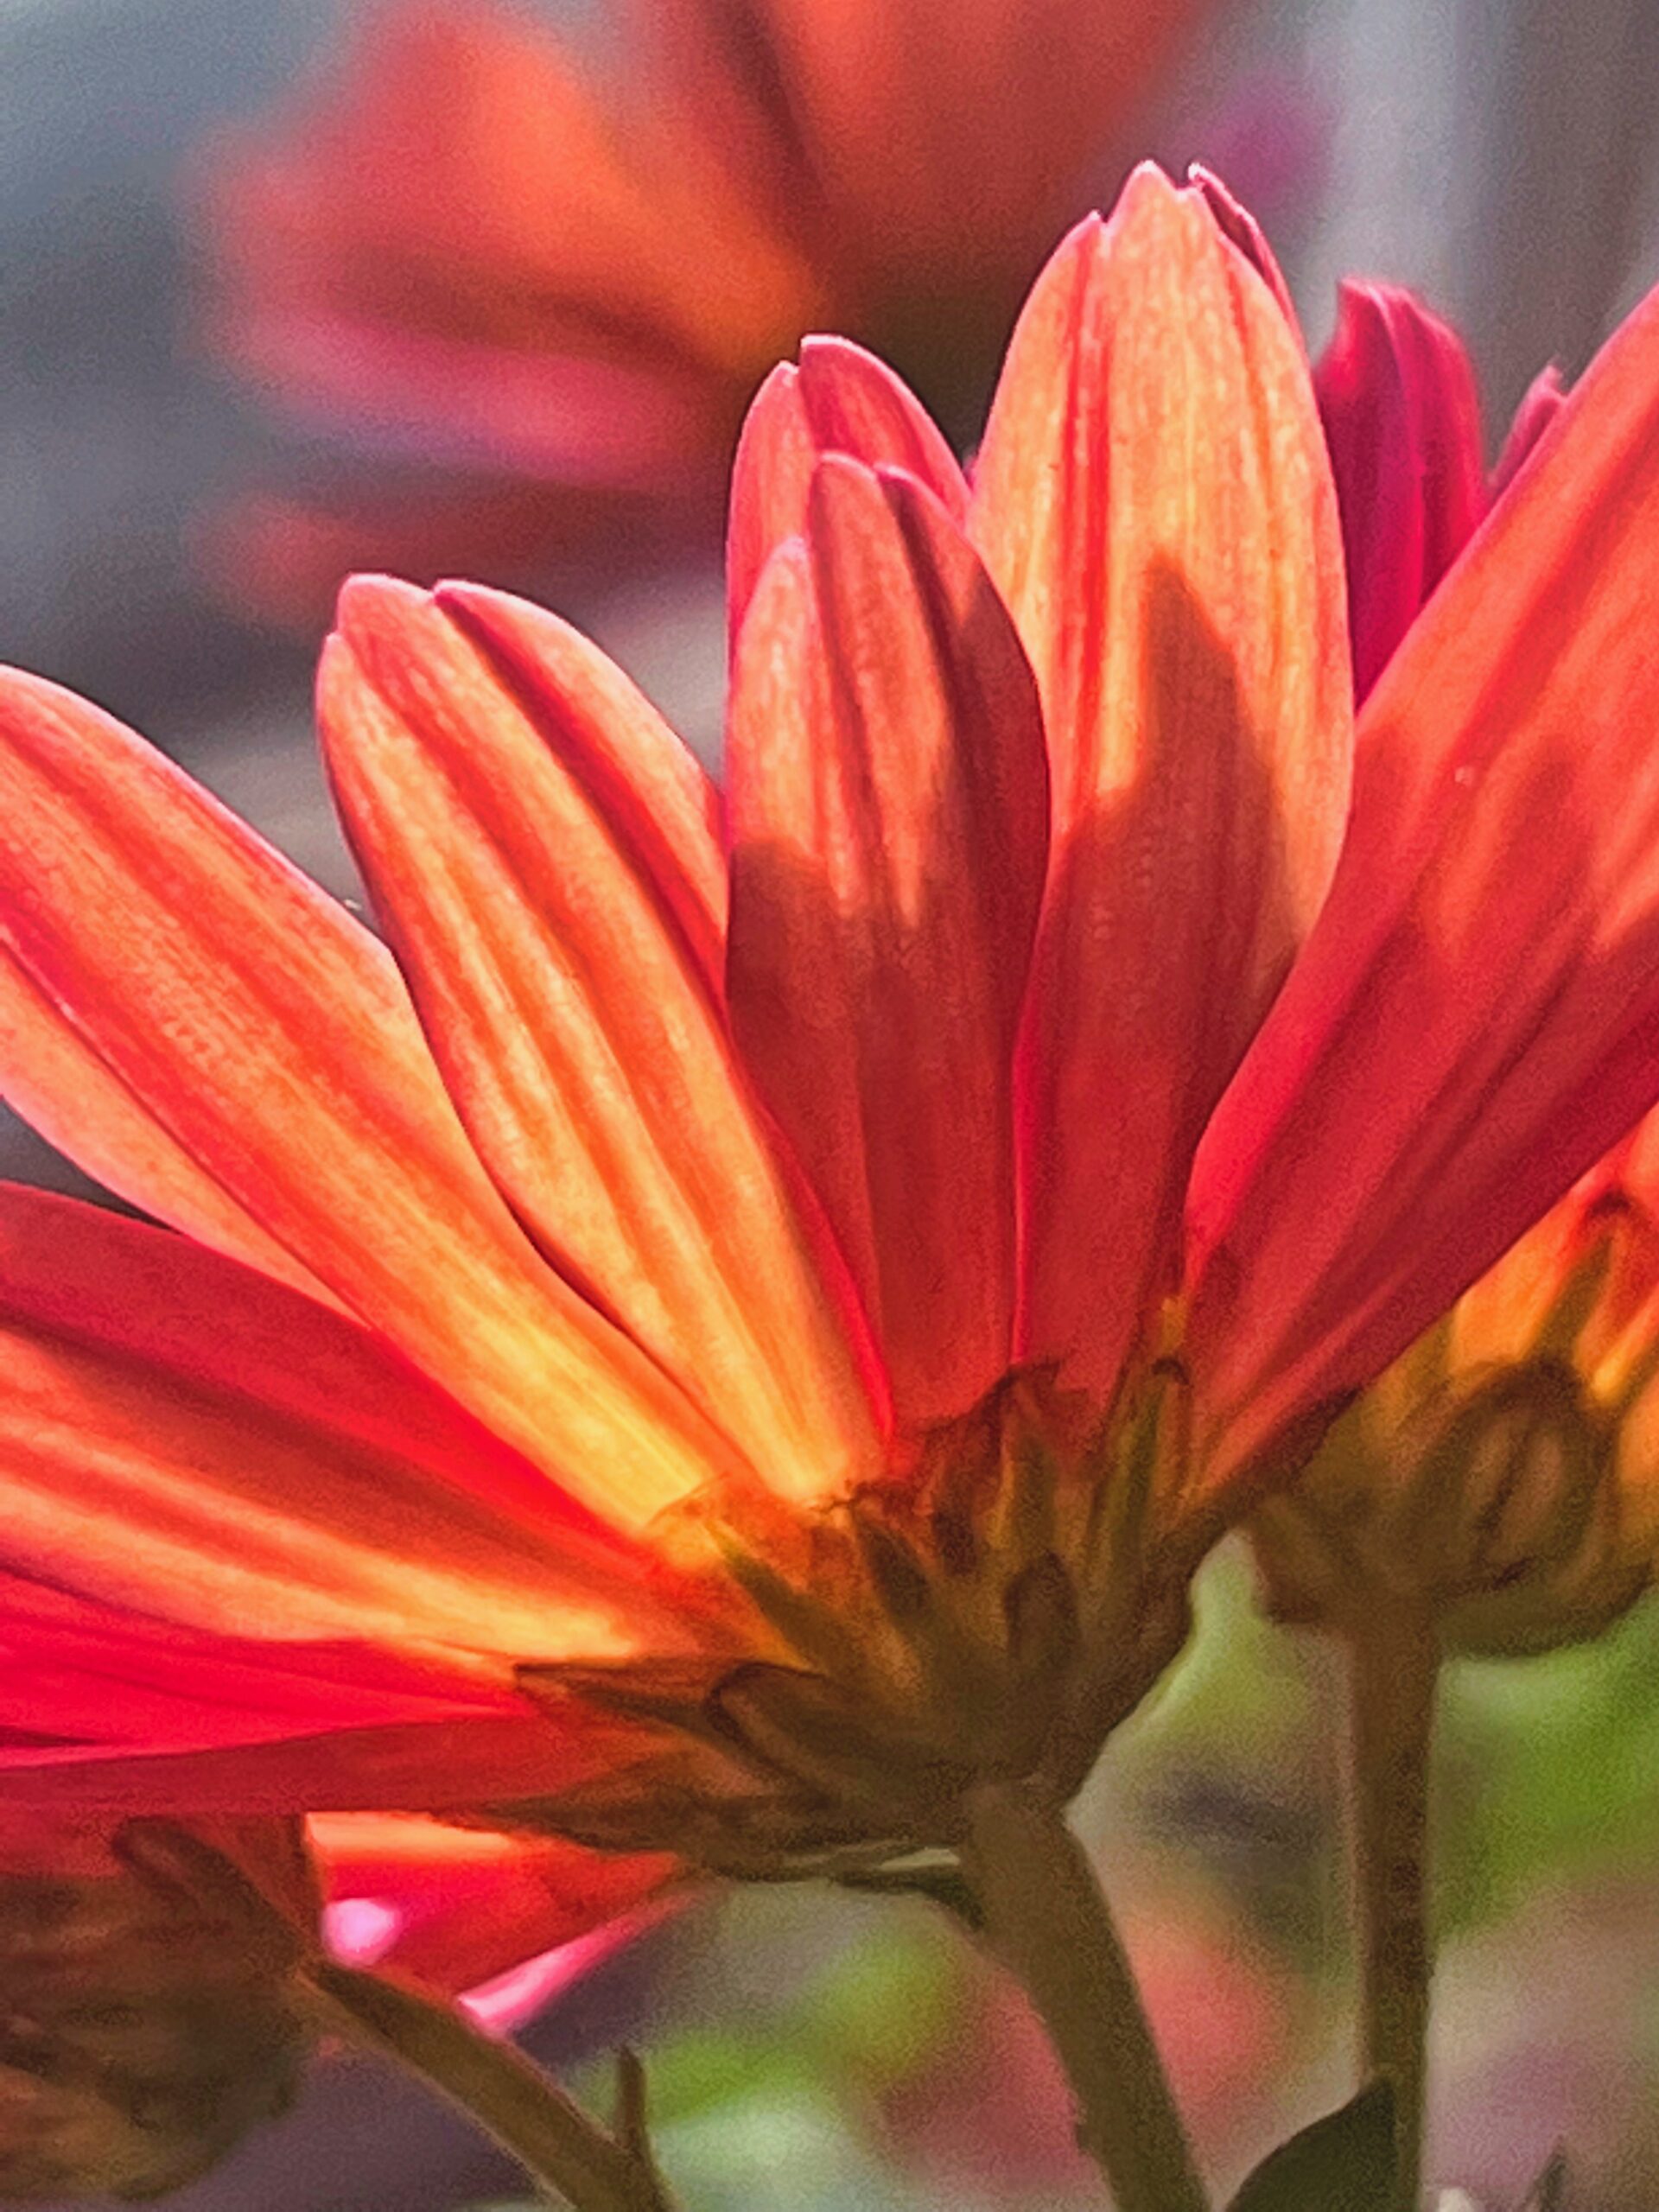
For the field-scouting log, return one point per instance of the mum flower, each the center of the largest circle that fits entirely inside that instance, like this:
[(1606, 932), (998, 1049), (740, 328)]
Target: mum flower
[(733, 1330), (562, 280)]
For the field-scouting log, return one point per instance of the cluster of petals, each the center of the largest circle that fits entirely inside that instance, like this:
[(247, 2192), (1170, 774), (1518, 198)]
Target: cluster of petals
[(1576, 1297), (1058, 980), (551, 286)]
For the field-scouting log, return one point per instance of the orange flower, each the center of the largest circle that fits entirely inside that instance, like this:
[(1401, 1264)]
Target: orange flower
[(563, 281), (738, 1327)]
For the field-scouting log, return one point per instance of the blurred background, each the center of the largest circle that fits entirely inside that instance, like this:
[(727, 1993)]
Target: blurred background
[(230, 365)]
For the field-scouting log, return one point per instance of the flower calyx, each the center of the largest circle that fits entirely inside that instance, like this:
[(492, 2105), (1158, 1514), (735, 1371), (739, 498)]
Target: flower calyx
[(990, 1614), (1486, 1502), (146, 2020)]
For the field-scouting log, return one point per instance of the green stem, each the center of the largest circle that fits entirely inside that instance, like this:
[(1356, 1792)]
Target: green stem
[(558, 2145), (1046, 1919), (1396, 1668)]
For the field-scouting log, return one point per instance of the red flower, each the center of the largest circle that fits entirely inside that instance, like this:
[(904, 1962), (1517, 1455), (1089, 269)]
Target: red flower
[(743, 1330), (563, 282)]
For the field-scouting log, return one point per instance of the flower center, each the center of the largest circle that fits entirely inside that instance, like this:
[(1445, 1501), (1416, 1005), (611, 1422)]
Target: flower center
[(988, 1613)]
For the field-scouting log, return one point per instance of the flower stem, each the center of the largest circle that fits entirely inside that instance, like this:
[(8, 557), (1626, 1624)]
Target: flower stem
[(563, 2149), (1046, 1919), (1395, 1666)]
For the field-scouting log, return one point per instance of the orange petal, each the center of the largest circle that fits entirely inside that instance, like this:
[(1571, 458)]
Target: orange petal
[(841, 399), (642, 778), (536, 907), (888, 800), (181, 1435), (1476, 1018), (270, 1038), (53, 1078), (1154, 501)]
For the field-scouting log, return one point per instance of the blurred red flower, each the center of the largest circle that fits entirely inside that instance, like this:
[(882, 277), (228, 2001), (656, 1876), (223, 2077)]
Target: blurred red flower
[(560, 272)]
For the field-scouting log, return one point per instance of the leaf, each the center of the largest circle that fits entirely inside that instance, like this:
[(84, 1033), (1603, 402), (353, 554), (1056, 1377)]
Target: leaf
[(1343, 2163)]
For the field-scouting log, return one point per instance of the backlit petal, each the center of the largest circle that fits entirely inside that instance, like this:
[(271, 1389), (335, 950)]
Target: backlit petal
[(181, 1435), (53, 1078), (270, 1036), (1154, 501), (78, 1670), (540, 928), (841, 399), (1476, 1018), (888, 800)]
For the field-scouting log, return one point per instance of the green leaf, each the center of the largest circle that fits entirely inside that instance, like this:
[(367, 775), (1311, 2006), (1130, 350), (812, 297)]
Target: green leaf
[(1343, 2163)]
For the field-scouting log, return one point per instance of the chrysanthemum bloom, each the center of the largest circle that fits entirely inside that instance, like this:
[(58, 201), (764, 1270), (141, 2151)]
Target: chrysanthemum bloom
[(735, 1329), (1503, 1474), (559, 273), (146, 2014)]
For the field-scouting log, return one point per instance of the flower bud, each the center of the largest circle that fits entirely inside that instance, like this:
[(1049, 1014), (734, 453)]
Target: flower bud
[(1499, 1479), (144, 2020)]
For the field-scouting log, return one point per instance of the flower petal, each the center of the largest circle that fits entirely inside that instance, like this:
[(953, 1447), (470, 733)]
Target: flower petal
[(80, 1671), (181, 1435), (1402, 420), (1154, 501), (269, 1037), (887, 801), (54, 1077), (1541, 402), (1476, 1018), (540, 933), (841, 399), (462, 1904), (442, 1766)]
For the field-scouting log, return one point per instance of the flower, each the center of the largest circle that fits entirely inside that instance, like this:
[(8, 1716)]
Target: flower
[(1502, 1473), (561, 282), (735, 1327)]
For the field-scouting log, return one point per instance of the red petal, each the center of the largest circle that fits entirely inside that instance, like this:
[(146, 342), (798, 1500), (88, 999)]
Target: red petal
[(1542, 402), (179, 1434), (461, 1904), (443, 1766), (541, 933), (1153, 498), (269, 1037), (81, 1671), (887, 801), (1476, 1018), (1402, 420), (841, 399)]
